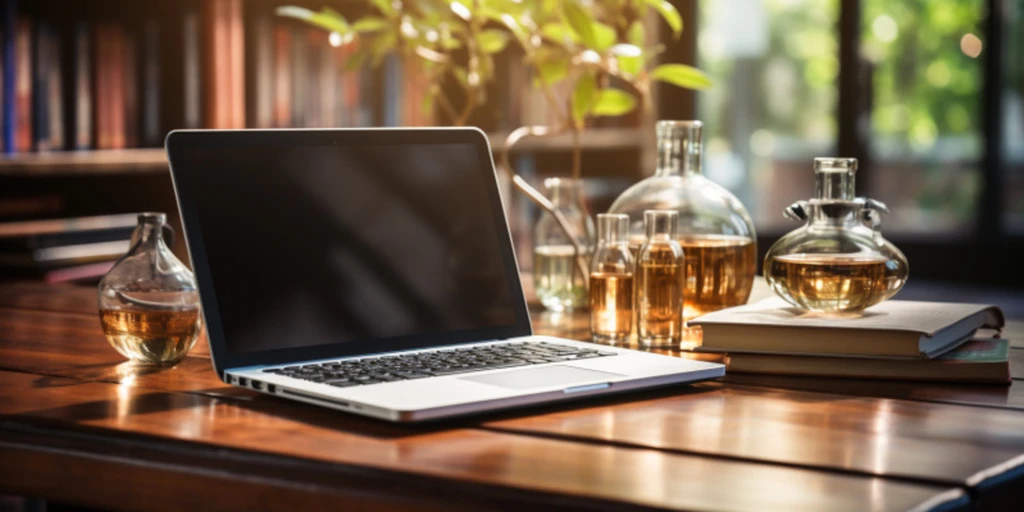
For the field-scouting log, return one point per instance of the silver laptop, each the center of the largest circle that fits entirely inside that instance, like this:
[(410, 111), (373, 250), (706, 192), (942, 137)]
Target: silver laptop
[(372, 271)]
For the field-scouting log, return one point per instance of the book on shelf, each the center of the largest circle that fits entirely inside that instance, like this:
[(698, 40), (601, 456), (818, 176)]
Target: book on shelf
[(978, 360), (81, 125), (224, 64), (22, 83), (892, 329)]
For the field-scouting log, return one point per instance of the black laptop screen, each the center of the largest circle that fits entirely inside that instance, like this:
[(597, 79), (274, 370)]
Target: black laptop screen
[(340, 243)]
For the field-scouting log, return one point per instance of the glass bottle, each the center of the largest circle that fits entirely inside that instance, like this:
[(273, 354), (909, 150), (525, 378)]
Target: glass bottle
[(660, 282), (838, 262), (556, 276), (715, 231), (611, 281), (149, 307)]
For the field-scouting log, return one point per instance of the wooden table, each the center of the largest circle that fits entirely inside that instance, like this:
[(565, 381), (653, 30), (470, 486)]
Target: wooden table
[(77, 425)]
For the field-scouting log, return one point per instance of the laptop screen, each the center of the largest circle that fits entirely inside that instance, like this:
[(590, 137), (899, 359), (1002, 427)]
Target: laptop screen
[(343, 243)]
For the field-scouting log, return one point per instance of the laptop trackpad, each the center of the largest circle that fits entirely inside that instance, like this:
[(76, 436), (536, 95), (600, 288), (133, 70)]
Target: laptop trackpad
[(548, 376)]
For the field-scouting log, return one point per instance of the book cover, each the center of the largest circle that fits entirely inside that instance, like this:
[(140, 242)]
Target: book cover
[(151, 86), (55, 93), (131, 90), (282, 96), (7, 31), (41, 87), (297, 77), (192, 75), (22, 85)]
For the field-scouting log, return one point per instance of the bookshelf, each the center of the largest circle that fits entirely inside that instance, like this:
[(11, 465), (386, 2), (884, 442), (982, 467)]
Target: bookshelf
[(121, 74), (154, 160)]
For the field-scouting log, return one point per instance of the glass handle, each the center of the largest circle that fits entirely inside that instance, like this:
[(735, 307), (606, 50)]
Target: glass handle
[(168, 235), (872, 204), (796, 211)]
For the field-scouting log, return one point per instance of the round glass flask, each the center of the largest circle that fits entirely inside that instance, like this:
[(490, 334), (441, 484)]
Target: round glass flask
[(149, 307), (714, 229), (838, 262)]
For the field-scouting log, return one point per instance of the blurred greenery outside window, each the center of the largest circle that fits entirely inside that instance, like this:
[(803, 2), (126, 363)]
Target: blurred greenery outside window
[(1013, 115), (773, 108)]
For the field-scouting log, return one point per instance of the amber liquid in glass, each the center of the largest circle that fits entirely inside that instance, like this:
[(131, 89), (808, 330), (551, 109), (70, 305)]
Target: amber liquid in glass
[(823, 282), (659, 298), (719, 272), (611, 307), (153, 336)]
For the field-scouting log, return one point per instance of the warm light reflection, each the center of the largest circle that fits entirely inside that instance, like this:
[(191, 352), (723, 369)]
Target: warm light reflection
[(970, 44), (882, 429)]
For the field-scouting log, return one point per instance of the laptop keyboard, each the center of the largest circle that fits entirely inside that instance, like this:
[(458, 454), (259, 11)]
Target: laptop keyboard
[(420, 365)]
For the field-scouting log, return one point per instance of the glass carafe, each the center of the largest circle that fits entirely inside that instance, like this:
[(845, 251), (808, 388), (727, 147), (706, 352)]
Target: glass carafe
[(556, 276), (660, 282), (149, 307), (714, 229), (611, 281), (838, 262)]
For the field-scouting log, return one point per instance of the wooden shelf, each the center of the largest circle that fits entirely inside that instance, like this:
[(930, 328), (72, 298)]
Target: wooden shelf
[(154, 160), (84, 162)]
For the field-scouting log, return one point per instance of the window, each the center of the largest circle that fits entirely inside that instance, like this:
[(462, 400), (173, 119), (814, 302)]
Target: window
[(773, 107)]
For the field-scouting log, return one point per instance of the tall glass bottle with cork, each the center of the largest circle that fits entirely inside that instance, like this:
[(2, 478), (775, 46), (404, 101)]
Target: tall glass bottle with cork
[(714, 229)]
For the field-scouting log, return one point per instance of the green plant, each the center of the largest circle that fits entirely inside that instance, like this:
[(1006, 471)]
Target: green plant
[(598, 48)]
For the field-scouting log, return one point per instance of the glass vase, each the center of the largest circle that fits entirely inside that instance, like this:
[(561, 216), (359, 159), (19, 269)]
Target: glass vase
[(557, 279), (148, 304), (838, 261)]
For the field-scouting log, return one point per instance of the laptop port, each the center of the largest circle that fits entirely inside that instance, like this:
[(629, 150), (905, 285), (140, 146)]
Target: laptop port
[(242, 381), (271, 389), (257, 385)]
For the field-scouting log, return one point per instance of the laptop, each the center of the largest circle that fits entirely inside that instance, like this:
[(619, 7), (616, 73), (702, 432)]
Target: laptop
[(372, 271)]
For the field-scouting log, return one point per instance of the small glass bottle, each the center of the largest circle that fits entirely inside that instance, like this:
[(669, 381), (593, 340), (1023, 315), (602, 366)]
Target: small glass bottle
[(611, 281), (149, 307), (714, 229), (660, 282), (556, 276), (838, 262)]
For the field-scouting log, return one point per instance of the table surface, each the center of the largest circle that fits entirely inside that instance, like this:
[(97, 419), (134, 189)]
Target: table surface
[(79, 425)]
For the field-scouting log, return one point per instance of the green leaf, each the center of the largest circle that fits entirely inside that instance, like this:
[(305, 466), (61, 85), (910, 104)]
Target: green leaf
[(329, 20), (460, 76), (669, 12), (681, 75), (558, 33), (584, 95), (630, 65), (492, 40), (580, 22), (613, 102), (384, 6), (635, 35), (370, 24), (549, 72), (513, 26), (604, 36)]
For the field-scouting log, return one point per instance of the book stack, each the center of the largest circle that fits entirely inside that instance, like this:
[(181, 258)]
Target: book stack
[(905, 340), (62, 250)]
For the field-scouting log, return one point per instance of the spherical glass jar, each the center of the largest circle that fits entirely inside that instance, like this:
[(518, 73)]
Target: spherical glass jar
[(149, 307), (713, 228), (838, 262)]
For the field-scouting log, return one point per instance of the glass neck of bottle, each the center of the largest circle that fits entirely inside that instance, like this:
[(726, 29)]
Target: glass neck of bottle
[(563, 192), (679, 148), (612, 229), (149, 232), (660, 225), (834, 214)]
